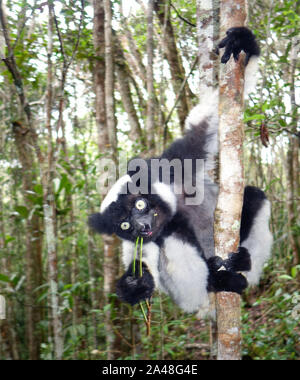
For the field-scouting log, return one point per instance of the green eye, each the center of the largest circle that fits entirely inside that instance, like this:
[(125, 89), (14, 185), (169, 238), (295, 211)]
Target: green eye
[(125, 226), (141, 205)]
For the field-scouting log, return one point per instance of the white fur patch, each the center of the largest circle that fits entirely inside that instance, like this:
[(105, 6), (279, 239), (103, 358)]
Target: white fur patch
[(150, 258), (186, 275), (259, 243), (114, 192), (207, 109), (127, 252), (251, 75), (167, 195)]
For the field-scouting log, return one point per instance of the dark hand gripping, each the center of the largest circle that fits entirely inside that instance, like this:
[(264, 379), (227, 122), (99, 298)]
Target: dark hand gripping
[(132, 288), (228, 280), (239, 39)]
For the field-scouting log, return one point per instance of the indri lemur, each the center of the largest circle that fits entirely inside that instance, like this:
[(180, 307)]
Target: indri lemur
[(178, 253)]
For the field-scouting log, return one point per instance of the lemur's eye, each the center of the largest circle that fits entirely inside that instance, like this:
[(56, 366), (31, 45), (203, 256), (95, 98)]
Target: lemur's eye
[(125, 226), (141, 205)]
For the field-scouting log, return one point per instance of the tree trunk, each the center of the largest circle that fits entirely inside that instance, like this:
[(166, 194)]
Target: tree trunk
[(230, 201), (33, 243), (104, 85), (23, 138)]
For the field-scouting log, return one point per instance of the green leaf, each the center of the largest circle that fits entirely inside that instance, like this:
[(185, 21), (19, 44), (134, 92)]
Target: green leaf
[(285, 277), (9, 239), (4, 278), (265, 106), (22, 211), (254, 117), (294, 271)]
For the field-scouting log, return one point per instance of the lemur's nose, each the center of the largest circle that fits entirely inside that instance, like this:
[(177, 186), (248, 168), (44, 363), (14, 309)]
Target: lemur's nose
[(143, 227), (143, 224)]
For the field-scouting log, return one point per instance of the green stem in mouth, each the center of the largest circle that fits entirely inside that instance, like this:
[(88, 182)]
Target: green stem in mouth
[(141, 257), (135, 253)]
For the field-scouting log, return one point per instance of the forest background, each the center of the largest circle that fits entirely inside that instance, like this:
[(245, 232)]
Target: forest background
[(82, 80)]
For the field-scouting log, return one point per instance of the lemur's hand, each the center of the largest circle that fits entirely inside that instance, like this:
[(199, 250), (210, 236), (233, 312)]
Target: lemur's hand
[(132, 288), (239, 39)]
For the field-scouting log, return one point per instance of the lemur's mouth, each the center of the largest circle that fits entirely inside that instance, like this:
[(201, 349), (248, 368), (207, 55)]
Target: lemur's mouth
[(147, 234)]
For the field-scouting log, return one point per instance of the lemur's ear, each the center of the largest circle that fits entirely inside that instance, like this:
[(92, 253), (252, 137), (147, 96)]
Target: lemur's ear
[(101, 223)]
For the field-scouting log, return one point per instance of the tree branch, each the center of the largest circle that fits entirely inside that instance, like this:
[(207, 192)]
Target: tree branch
[(179, 96), (181, 17)]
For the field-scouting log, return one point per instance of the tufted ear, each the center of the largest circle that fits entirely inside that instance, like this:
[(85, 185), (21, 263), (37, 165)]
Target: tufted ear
[(101, 223)]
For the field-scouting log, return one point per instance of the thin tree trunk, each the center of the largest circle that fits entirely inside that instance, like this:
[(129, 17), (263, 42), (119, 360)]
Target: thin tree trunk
[(208, 25), (8, 341), (124, 75), (91, 261), (138, 60), (110, 78), (150, 126), (174, 59), (110, 254), (99, 75), (208, 35), (293, 161), (230, 201), (49, 204)]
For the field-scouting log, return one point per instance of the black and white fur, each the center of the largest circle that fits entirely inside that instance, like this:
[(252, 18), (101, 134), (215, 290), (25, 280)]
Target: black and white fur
[(178, 253)]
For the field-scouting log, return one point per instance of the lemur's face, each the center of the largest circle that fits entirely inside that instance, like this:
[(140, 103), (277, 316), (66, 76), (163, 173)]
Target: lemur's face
[(145, 218), (131, 216)]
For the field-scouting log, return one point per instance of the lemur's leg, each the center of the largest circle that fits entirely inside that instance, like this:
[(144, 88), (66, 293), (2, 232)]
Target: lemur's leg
[(255, 246), (255, 236), (255, 232)]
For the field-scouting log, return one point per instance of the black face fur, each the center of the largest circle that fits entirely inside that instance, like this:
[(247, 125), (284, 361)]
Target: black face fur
[(133, 216)]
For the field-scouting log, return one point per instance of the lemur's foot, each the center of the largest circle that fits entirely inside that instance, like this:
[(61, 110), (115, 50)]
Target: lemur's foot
[(239, 39), (238, 262), (132, 288), (224, 281), (222, 273)]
